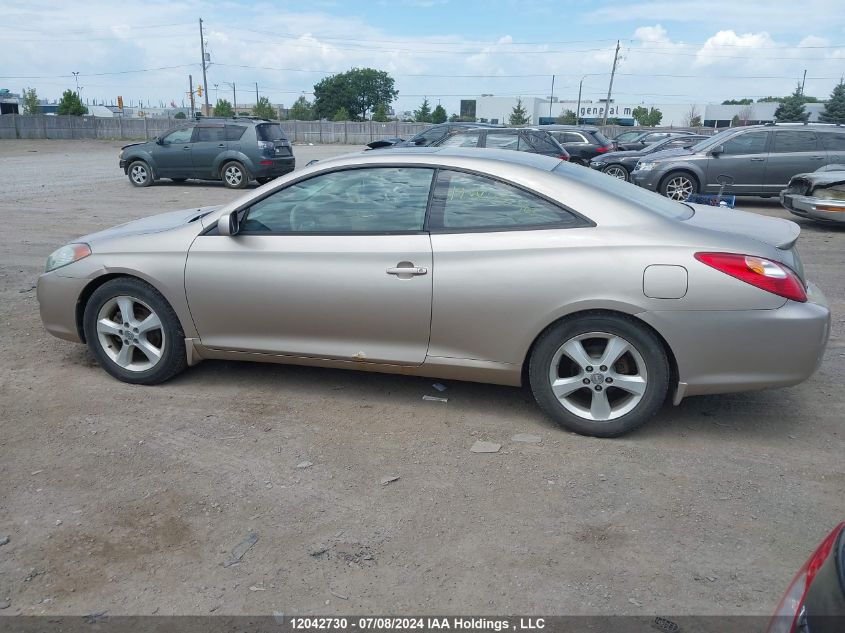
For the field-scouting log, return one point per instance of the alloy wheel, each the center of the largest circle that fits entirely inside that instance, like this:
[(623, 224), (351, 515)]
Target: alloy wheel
[(138, 173), (598, 376), (233, 175), (679, 188), (617, 172), (130, 333)]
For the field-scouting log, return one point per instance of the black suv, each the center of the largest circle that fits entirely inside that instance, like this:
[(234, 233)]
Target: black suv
[(582, 142), (621, 164), (429, 136), (524, 139), (232, 150)]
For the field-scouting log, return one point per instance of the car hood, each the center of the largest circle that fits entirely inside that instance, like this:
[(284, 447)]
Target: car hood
[(668, 153), (822, 178), (136, 144), (151, 224), (631, 153)]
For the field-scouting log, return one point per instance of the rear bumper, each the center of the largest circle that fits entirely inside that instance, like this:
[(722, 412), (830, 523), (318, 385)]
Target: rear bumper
[(279, 166), (808, 207), (728, 351)]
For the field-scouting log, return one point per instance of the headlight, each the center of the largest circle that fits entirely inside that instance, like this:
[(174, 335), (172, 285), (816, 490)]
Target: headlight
[(645, 166), (67, 255)]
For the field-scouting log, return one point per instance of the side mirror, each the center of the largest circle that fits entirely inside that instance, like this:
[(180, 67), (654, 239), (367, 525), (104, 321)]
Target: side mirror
[(719, 149), (159, 141), (229, 224)]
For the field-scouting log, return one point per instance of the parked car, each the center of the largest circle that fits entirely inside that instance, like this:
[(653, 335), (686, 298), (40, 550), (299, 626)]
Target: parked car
[(761, 159), (643, 138), (233, 150), (524, 139), (582, 142), (621, 164), (625, 136), (814, 602), (429, 136), (605, 297), (819, 195)]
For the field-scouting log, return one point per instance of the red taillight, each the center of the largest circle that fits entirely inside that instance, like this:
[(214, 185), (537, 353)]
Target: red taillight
[(563, 156), (265, 162), (786, 615), (759, 272), (601, 149)]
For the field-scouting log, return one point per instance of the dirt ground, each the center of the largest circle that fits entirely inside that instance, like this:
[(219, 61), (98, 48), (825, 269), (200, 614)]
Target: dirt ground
[(129, 499)]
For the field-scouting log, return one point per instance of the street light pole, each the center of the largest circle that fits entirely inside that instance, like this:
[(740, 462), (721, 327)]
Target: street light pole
[(578, 107), (76, 79)]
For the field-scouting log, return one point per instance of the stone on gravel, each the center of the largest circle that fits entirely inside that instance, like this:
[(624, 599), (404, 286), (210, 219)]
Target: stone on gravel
[(4, 540), (481, 446), (305, 464), (527, 438), (240, 549), (5, 604), (388, 479)]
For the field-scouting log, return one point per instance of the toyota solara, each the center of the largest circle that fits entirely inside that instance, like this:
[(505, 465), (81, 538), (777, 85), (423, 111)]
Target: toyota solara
[(468, 264)]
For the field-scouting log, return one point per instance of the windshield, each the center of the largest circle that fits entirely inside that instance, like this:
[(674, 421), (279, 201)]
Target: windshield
[(642, 197)]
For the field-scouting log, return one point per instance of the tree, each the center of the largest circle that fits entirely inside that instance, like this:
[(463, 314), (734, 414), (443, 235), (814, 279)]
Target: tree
[(792, 109), (180, 115), (423, 115), (735, 122), (647, 117), (30, 101), (380, 113), (342, 114), (745, 101), (567, 117), (223, 108), (70, 103), (770, 100), (745, 114), (693, 118), (519, 116), (263, 109), (301, 110), (439, 114), (358, 90), (834, 109)]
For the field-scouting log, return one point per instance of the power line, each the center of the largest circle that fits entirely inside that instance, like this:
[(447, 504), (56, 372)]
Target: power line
[(117, 72)]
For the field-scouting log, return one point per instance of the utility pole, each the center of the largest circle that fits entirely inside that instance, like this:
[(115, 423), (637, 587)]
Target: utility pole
[(610, 87), (578, 108), (802, 82), (204, 79), (256, 93), (552, 97), (191, 94), (234, 99), (76, 78)]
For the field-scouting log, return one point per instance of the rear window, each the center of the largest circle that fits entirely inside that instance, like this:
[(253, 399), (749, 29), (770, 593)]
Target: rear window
[(601, 139), (638, 195), (270, 132), (543, 142)]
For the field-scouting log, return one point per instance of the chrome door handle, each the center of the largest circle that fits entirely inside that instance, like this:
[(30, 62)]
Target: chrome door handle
[(221, 146), (407, 271), (187, 147), (818, 157), (758, 160)]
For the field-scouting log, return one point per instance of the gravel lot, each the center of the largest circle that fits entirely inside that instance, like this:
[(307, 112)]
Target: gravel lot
[(128, 499)]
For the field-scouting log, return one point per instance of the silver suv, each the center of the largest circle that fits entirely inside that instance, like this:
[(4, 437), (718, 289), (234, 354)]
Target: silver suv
[(759, 159), (234, 150)]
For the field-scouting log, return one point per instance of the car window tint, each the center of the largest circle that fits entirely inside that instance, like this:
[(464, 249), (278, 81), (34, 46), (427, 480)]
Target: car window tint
[(654, 136), (543, 142), (748, 143), (234, 132), (572, 137), (373, 200), (833, 141), (210, 134), (467, 201), (502, 140), (678, 142), (794, 141), (180, 136), (600, 138), (461, 139), (270, 132)]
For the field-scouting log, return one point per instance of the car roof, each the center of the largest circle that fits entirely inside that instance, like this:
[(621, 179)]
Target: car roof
[(527, 159), (570, 128)]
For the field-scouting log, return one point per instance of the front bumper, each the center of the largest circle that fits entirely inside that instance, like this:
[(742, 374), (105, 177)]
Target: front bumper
[(816, 208), (58, 298), (647, 179), (728, 351), (123, 165), (597, 165)]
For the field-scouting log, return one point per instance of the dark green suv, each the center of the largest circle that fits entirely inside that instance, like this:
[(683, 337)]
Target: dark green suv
[(233, 150)]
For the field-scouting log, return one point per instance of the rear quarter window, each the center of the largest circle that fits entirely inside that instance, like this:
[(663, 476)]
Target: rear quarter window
[(600, 138), (234, 132)]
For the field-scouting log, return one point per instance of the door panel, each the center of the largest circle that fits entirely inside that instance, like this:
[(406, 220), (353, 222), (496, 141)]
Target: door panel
[(744, 160), (209, 143), (173, 156), (793, 152)]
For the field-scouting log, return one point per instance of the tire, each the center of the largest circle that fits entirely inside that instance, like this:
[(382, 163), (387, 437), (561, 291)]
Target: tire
[(263, 180), (136, 361), (140, 174), (617, 171), (679, 185), (234, 175), (602, 407), (178, 179)]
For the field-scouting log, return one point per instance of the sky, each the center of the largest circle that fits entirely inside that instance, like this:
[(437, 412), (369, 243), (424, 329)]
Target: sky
[(678, 51)]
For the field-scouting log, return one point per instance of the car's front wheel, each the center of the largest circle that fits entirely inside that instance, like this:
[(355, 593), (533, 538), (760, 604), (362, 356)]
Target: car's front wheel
[(140, 174), (600, 375), (617, 171), (234, 175), (678, 186), (134, 333)]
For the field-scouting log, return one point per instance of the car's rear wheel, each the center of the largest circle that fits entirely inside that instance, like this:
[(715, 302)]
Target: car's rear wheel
[(678, 186), (599, 375), (134, 333), (234, 175), (617, 171), (140, 174)]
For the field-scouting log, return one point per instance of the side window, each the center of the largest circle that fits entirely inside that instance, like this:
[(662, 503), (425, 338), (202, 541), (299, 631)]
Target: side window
[(833, 141), (468, 139), (502, 140), (234, 132), (679, 142), (794, 141), (182, 135), (374, 200), (748, 143), (654, 136), (209, 135), (467, 201), (573, 137)]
